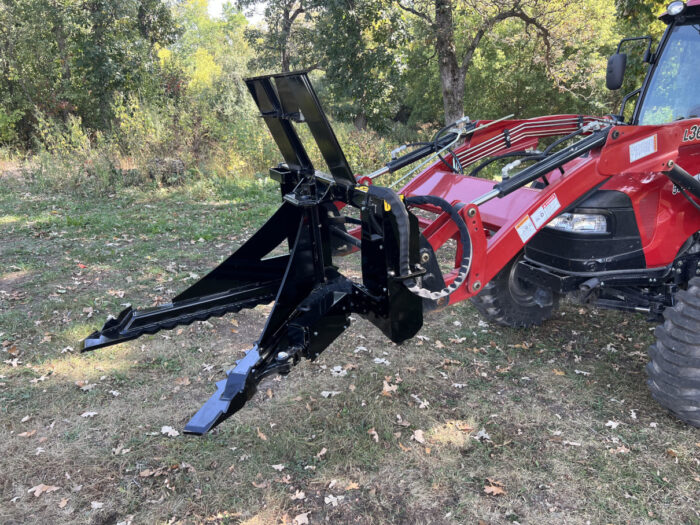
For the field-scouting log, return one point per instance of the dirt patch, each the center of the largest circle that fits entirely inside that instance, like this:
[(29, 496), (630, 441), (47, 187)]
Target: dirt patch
[(11, 170), (14, 281)]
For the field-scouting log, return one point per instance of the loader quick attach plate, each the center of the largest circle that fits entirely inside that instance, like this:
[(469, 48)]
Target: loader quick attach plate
[(312, 300)]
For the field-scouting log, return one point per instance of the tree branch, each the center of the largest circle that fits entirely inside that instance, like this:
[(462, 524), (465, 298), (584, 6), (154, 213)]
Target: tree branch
[(516, 12), (417, 13), (299, 10)]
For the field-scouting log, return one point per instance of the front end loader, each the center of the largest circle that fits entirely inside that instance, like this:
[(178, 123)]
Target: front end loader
[(597, 208)]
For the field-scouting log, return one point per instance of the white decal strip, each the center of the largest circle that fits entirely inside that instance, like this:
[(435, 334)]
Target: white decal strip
[(643, 148)]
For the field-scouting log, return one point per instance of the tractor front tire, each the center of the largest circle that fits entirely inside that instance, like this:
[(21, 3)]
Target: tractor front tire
[(674, 368), (509, 301)]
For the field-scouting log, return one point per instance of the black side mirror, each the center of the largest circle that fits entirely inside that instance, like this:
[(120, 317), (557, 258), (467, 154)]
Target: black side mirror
[(616, 71)]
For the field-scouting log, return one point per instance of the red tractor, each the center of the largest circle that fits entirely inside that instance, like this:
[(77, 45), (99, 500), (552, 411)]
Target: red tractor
[(598, 208)]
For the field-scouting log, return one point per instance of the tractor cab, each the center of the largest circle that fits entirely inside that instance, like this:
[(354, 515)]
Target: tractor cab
[(605, 243), (671, 91)]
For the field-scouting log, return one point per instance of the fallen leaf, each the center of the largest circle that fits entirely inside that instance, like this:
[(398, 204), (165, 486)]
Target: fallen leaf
[(27, 434), (482, 435), (338, 371), (299, 494), (421, 402), (388, 389), (88, 414), (301, 519), (612, 424), (463, 426), (182, 381), (494, 488), (322, 453), (374, 435), (559, 372), (85, 386), (329, 393), (418, 436), (41, 488), (260, 485), (169, 431), (261, 435), (333, 500), (619, 450), (278, 468), (95, 505), (63, 503), (352, 486), (146, 473)]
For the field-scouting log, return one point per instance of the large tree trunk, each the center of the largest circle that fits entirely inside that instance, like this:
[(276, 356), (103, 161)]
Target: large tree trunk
[(451, 75)]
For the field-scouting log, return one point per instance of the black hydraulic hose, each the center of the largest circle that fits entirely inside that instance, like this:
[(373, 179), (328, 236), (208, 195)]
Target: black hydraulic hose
[(561, 140), (683, 179), (398, 209), (534, 155), (689, 198), (402, 223), (464, 238), (552, 162), (421, 152)]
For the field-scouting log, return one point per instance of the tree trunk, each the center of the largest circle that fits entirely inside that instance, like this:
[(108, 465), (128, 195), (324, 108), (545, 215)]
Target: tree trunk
[(284, 39), (451, 75)]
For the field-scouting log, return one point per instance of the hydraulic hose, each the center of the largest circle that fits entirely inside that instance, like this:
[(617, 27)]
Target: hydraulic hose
[(398, 209), (464, 238)]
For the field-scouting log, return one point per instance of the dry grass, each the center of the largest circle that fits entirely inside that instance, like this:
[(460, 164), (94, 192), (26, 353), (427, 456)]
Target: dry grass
[(542, 425)]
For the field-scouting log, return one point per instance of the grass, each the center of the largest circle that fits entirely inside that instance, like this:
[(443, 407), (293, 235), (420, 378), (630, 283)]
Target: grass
[(69, 260)]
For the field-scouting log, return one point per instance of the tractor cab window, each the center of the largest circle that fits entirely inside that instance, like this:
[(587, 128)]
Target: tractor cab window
[(674, 90)]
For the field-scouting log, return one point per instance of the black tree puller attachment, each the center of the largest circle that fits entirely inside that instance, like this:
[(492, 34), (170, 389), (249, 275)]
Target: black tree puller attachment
[(312, 300)]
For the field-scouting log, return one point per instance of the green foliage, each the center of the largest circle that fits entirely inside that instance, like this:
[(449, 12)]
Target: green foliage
[(71, 57), (361, 66), (8, 121), (152, 92)]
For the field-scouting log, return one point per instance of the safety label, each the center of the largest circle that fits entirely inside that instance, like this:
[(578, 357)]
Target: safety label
[(643, 148), (525, 228), (545, 212)]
